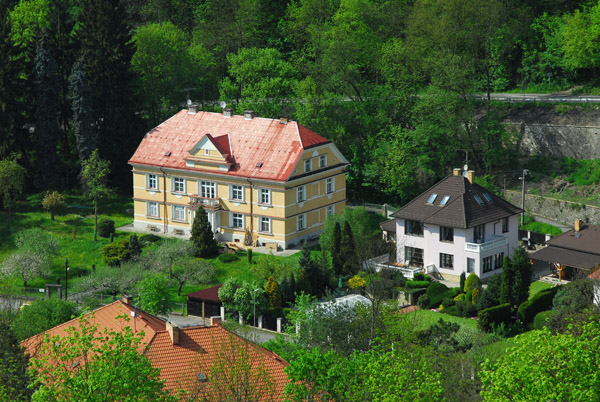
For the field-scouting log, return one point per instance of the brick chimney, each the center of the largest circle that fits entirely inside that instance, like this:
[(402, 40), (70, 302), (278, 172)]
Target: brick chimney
[(127, 299), (284, 119), (215, 320), (173, 330), (578, 225), (456, 171), (471, 176)]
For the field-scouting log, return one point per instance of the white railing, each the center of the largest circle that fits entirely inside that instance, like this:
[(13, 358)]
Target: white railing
[(490, 245), (207, 202)]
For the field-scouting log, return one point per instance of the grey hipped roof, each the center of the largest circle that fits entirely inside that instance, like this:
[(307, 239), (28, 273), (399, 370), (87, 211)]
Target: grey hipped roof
[(576, 249), (462, 209)]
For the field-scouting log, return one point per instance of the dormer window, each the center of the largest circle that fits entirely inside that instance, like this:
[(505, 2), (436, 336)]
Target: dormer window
[(308, 165), (322, 161), (431, 198)]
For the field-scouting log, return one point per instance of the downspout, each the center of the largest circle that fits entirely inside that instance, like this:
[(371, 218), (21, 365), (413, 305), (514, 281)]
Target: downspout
[(164, 198), (251, 210)]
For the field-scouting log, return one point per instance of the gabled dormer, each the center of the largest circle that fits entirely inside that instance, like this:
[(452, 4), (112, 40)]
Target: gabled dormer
[(211, 153)]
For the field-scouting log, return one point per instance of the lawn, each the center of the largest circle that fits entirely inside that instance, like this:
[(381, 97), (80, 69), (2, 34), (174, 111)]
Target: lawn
[(537, 286), (423, 319)]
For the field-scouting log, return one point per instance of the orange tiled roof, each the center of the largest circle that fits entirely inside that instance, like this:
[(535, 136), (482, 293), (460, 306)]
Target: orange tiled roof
[(251, 141), (197, 350)]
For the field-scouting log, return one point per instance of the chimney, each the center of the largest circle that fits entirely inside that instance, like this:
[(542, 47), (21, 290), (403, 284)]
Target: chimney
[(578, 225), (173, 330), (456, 172), (126, 299), (471, 176), (227, 112), (193, 108), (284, 119), (215, 320), (248, 114)]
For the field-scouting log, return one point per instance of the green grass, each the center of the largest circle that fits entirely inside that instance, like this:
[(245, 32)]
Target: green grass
[(539, 227), (423, 319), (538, 286)]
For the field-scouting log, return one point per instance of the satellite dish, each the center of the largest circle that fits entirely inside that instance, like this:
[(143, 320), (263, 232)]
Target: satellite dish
[(222, 104), (466, 167), (189, 102)]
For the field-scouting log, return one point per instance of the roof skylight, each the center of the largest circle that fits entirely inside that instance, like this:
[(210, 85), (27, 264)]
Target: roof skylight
[(432, 198), (488, 197), (478, 199), (445, 200)]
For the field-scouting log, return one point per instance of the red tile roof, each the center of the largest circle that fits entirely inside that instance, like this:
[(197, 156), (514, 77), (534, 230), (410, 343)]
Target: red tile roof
[(252, 141), (206, 294), (197, 351)]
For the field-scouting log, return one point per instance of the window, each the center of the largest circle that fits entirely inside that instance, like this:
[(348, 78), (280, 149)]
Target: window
[(470, 265), (446, 234), (487, 264), (152, 209), (237, 192), (431, 198), (504, 225), (152, 182), (264, 196), (478, 199), (322, 161), (498, 260), (488, 198), (446, 261), (329, 187), (414, 256), (237, 221), (265, 224), (301, 194), (479, 233), (179, 213), (444, 200), (330, 210), (178, 185), (307, 165), (208, 189), (301, 222), (414, 228)]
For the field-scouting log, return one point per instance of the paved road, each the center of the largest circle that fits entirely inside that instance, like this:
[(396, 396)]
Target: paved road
[(543, 98)]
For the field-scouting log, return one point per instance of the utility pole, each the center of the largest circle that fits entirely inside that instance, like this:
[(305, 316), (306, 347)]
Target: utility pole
[(66, 276), (525, 172)]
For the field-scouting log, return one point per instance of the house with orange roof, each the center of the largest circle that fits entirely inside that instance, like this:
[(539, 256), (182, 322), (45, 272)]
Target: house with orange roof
[(265, 182), (194, 360)]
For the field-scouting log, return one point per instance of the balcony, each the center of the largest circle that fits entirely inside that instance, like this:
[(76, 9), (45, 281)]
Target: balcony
[(212, 204), (498, 241)]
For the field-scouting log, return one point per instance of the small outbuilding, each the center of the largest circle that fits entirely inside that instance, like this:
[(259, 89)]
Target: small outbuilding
[(205, 302)]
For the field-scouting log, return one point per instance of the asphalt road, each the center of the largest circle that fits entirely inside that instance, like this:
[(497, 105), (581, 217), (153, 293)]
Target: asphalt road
[(543, 98)]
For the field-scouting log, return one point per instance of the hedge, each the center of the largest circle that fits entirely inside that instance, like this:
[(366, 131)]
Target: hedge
[(436, 288), (542, 301), (436, 299), (541, 319), (114, 253), (420, 276), (106, 227), (417, 284), (489, 318)]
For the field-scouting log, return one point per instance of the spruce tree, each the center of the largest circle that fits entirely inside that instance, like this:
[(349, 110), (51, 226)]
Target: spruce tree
[(508, 278), (273, 295), (311, 268), (462, 281), (348, 251), (202, 235), (291, 298), (14, 378), (83, 116), (303, 284), (46, 91), (522, 275), (336, 257)]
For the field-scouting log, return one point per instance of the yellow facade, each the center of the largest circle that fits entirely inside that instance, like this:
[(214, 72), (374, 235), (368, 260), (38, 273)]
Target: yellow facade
[(294, 210)]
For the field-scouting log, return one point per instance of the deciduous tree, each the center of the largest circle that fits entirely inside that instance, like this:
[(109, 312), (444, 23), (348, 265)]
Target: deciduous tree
[(42, 315), (95, 175), (153, 294), (53, 201), (14, 378)]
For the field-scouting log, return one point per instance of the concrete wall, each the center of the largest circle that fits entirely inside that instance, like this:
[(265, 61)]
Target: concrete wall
[(561, 211)]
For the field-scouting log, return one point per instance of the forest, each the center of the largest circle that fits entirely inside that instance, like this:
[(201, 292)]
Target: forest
[(389, 81)]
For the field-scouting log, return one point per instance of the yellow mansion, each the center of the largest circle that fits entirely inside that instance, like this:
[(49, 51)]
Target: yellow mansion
[(261, 181)]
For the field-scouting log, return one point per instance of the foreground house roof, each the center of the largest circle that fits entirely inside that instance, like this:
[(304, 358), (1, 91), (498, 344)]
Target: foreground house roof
[(574, 248), (181, 354), (456, 202), (256, 147)]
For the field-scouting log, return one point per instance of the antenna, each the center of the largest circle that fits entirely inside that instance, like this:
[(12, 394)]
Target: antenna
[(222, 104)]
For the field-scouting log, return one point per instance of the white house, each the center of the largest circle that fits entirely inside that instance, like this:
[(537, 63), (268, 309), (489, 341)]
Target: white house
[(457, 226)]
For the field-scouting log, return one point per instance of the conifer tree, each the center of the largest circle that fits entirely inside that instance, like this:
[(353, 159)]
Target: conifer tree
[(312, 270), (272, 293), (302, 283), (83, 116), (291, 297), (202, 235), (508, 277), (348, 251), (522, 271), (336, 257)]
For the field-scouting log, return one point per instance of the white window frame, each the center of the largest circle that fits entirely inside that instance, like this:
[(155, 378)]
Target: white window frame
[(237, 217), (301, 193), (264, 196), (184, 213), (322, 161), (330, 210), (175, 184), (233, 190), (301, 222), (265, 223), (207, 189), (150, 206), (308, 165), (330, 185), (151, 178)]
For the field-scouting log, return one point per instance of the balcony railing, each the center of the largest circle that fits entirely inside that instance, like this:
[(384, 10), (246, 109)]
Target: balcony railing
[(499, 241), (211, 203)]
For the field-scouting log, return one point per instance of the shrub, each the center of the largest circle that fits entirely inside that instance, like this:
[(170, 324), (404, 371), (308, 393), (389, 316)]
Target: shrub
[(472, 282), (490, 318), (114, 253), (228, 257), (106, 227), (249, 256), (466, 309), (423, 301), (417, 284), (436, 299), (149, 238), (542, 319), (540, 302), (419, 276), (462, 281), (436, 288), (474, 295), (448, 302)]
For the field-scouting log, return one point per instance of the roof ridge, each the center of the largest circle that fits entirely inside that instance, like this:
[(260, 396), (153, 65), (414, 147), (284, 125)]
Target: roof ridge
[(299, 136)]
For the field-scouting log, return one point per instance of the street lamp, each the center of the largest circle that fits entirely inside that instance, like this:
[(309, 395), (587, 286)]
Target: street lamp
[(254, 297), (66, 276), (525, 172)]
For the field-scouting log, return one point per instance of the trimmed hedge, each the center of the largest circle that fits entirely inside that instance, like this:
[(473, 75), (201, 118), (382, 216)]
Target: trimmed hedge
[(420, 276), (542, 301), (106, 227), (489, 318), (541, 320), (417, 284), (436, 299), (436, 288)]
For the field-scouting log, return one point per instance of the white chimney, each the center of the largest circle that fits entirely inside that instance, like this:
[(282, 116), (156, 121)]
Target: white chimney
[(173, 331), (248, 114)]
